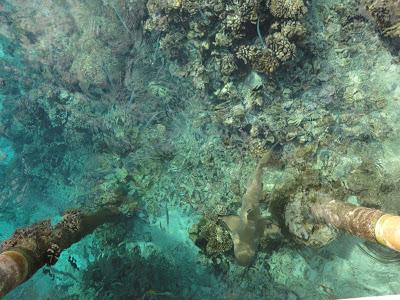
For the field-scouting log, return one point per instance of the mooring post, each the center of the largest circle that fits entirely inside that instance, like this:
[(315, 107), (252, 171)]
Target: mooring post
[(367, 223)]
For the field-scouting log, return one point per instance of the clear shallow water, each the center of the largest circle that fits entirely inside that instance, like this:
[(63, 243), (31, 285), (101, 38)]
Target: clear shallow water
[(154, 133)]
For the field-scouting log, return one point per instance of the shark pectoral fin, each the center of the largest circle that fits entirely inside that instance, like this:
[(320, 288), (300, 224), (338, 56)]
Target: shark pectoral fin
[(233, 222)]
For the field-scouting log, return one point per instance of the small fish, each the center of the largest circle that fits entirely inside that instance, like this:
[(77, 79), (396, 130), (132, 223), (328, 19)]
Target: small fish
[(167, 213)]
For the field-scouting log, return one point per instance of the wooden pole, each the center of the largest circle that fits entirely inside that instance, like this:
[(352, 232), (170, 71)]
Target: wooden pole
[(32, 247), (368, 223)]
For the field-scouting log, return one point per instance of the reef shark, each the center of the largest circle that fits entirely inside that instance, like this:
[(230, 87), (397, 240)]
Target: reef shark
[(246, 228)]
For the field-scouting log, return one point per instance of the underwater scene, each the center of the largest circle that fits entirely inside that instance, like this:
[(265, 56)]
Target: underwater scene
[(199, 149)]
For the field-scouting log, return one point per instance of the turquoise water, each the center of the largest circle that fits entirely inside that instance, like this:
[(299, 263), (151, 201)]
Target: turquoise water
[(173, 103)]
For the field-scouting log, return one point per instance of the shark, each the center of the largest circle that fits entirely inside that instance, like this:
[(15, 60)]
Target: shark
[(247, 227)]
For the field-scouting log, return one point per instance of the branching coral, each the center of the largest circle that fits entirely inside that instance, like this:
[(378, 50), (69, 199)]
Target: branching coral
[(287, 9), (262, 60)]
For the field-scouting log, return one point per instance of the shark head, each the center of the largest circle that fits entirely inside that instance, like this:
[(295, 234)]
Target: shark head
[(244, 234)]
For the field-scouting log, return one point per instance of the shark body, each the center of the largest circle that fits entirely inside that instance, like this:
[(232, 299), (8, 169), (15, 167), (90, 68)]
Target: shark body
[(246, 228)]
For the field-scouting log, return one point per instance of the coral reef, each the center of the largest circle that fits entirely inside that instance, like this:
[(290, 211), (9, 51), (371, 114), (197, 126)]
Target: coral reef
[(84, 45), (287, 9), (386, 14), (211, 237), (210, 40), (149, 276)]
